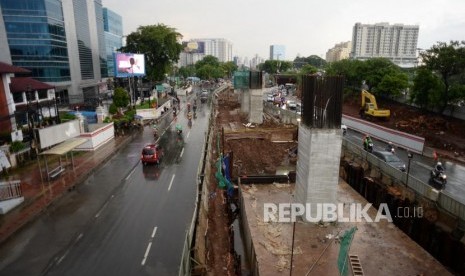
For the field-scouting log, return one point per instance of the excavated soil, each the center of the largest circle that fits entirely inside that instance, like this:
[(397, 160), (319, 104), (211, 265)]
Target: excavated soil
[(440, 132)]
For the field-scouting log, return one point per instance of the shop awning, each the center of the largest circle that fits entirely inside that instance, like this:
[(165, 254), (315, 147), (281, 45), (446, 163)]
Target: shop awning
[(65, 147)]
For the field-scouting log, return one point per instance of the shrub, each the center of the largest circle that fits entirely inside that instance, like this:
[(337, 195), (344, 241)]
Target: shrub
[(112, 109), (17, 146)]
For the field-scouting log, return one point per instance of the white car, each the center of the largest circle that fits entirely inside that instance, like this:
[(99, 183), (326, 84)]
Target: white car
[(291, 105)]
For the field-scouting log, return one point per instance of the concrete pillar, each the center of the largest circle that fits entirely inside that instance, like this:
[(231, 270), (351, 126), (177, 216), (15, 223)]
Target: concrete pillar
[(100, 114), (245, 100), (256, 106), (319, 153), (80, 117)]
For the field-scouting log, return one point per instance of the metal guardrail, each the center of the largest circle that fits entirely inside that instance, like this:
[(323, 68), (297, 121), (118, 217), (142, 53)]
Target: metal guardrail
[(444, 200), (10, 190)]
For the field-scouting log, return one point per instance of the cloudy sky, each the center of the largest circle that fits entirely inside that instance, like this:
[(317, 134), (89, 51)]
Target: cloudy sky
[(305, 27)]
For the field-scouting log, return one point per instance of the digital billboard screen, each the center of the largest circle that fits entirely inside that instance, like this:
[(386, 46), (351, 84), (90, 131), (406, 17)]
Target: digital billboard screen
[(129, 65)]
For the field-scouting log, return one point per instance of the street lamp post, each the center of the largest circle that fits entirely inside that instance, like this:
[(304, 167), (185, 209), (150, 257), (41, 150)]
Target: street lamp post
[(28, 111), (410, 156)]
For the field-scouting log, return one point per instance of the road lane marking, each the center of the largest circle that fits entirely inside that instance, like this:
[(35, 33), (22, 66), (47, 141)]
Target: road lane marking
[(171, 182), (79, 237), (146, 253), (154, 232), (129, 175), (188, 134), (100, 211), (182, 152)]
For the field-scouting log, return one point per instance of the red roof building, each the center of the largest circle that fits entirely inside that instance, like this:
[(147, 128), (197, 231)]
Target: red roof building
[(23, 100)]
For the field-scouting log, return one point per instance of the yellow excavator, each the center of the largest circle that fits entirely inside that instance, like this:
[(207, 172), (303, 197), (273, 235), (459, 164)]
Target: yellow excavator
[(369, 108)]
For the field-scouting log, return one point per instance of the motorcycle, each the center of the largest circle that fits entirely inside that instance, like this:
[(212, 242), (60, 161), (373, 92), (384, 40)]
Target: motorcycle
[(439, 178), (368, 146), (390, 148), (179, 130)]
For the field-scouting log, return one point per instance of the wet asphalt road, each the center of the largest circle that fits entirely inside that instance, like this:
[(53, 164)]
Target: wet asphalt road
[(420, 167), (126, 219)]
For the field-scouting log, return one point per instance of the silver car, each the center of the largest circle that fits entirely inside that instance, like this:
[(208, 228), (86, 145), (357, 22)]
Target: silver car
[(391, 159)]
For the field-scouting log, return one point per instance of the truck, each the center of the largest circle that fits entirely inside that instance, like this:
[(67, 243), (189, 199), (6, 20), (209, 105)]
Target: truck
[(369, 108)]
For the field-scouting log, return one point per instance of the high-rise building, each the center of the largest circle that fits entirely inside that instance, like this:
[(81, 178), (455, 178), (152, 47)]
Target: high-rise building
[(217, 47), (113, 27), (60, 41), (255, 61), (277, 52), (396, 42), (340, 51)]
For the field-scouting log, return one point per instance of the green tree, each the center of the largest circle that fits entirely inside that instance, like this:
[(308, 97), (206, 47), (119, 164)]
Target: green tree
[(275, 66), (375, 70), (313, 60), (160, 45), (207, 60), (308, 69), (352, 70), (187, 71), (448, 61), (393, 84), (229, 67), (425, 89), (120, 97), (209, 71)]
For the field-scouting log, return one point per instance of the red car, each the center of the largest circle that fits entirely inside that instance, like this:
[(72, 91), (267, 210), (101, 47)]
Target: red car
[(151, 153)]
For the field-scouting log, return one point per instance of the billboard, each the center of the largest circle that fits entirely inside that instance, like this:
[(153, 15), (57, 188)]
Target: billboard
[(129, 65)]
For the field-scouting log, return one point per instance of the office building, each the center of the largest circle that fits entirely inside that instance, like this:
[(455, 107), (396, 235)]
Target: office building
[(217, 47), (396, 42), (113, 27), (60, 42), (255, 61), (277, 52), (340, 51)]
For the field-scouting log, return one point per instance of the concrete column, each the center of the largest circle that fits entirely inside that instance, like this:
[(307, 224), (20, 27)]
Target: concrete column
[(100, 114), (319, 153), (256, 106), (245, 100)]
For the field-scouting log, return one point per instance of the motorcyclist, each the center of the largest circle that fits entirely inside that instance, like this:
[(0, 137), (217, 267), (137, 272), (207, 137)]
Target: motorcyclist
[(179, 129), (390, 147), (438, 169), (366, 142), (189, 116), (188, 106)]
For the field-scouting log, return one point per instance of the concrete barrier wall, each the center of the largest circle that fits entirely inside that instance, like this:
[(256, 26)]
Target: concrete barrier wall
[(152, 113), (401, 139), (249, 247), (99, 136)]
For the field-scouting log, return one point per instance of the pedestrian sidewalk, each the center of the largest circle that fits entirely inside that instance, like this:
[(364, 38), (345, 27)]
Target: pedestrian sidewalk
[(38, 195)]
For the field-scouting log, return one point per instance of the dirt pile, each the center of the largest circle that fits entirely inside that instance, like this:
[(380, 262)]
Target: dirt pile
[(440, 132)]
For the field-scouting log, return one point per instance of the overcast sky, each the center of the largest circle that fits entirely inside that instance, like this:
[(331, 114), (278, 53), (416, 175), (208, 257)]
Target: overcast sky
[(304, 27)]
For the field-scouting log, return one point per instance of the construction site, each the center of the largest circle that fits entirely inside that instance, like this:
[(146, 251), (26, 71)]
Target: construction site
[(232, 237)]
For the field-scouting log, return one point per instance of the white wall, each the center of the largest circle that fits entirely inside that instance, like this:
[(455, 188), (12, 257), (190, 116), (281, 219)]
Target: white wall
[(58, 133)]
